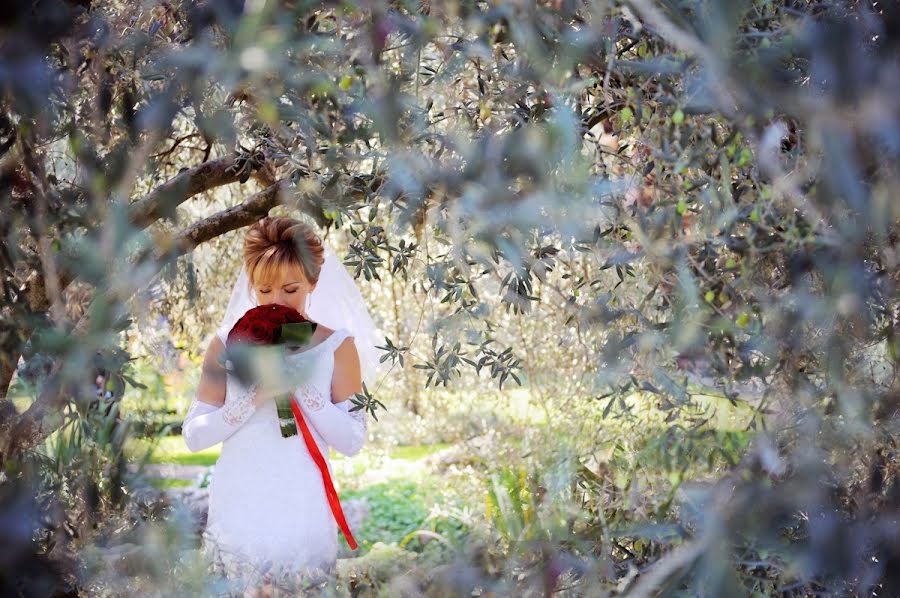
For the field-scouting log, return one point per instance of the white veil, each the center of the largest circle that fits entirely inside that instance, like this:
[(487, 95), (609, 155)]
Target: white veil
[(336, 303)]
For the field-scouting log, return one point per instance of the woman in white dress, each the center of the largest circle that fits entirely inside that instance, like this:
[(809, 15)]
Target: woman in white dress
[(269, 519)]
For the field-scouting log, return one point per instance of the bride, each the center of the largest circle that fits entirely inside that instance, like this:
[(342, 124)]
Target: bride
[(270, 520)]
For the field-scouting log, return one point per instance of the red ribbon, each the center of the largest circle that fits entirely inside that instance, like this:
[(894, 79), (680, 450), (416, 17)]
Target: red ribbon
[(326, 477)]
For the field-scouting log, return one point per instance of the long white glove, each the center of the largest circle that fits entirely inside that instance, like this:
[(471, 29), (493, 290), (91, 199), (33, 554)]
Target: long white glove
[(341, 428), (206, 425)]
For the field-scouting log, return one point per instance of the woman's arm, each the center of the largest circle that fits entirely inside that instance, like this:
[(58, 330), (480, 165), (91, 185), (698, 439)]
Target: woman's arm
[(211, 389), (341, 428), (214, 415), (346, 380)]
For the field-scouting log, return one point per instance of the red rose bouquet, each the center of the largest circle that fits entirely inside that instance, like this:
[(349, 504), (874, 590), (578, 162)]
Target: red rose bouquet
[(273, 325), (268, 325)]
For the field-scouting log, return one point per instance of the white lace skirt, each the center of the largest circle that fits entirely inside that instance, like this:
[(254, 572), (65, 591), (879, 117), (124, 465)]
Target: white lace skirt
[(269, 518)]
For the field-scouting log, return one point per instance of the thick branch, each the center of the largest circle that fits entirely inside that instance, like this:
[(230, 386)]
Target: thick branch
[(163, 200), (160, 202), (235, 217)]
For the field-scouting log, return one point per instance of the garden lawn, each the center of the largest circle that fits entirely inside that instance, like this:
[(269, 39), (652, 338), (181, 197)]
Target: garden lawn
[(172, 449)]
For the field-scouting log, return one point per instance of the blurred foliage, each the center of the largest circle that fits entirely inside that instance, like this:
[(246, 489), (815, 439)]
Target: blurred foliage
[(627, 207)]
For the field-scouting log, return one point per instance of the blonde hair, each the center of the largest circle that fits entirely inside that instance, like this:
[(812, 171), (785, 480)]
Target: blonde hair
[(275, 242)]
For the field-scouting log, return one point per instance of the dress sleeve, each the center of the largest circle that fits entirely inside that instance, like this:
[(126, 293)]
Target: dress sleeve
[(206, 425), (341, 428)]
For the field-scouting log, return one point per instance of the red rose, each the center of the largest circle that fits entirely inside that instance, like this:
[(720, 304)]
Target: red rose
[(261, 325), (259, 331)]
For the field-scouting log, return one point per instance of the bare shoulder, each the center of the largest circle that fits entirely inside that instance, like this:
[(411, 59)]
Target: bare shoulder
[(213, 352), (346, 342), (347, 376), (346, 350)]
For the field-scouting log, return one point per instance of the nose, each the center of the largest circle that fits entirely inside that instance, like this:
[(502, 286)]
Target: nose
[(281, 298), (277, 297)]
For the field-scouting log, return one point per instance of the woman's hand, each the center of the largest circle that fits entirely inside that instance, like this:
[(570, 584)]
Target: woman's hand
[(278, 383), (265, 394)]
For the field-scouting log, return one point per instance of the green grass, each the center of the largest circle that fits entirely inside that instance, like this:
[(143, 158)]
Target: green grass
[(207, 458), (412, 453), (398, 508), (171, 449), (164, 483)]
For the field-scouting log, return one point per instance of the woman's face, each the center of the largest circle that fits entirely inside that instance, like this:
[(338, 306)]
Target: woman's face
[(289, 288)]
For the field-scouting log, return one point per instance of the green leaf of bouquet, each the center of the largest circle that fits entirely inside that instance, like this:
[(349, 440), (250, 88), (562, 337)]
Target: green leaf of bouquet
[(296, 333)]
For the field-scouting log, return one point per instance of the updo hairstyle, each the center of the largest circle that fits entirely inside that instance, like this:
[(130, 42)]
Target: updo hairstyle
[(275, 242)]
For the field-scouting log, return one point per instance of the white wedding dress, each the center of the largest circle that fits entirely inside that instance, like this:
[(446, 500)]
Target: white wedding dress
[(269, 518)]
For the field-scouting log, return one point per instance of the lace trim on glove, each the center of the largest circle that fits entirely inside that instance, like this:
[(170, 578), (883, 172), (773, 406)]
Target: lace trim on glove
[(239, 407), (311, 396)]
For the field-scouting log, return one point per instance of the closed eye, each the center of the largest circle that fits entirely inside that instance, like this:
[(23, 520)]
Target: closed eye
[(288, 292)]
